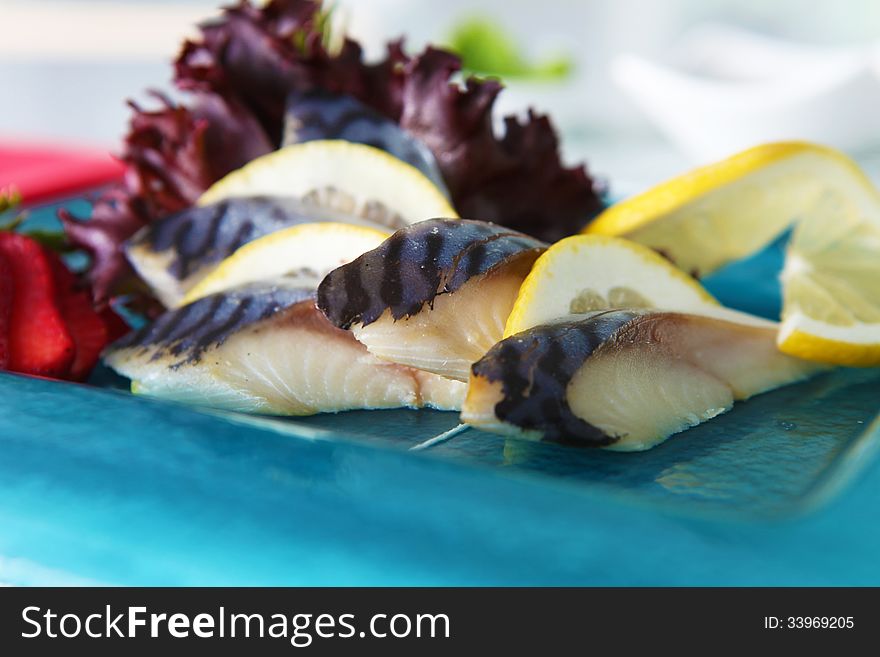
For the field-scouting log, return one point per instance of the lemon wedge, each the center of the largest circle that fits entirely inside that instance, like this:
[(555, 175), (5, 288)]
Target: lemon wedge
[(585, 273), (831, 285), (355, 179), (725, 211), (305, 253)]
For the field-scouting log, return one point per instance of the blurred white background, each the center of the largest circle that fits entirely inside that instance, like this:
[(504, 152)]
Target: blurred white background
[(652, 90)]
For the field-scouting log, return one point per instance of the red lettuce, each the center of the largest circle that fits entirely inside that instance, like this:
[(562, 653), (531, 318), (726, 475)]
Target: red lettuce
[(238, 76), (517, 180)]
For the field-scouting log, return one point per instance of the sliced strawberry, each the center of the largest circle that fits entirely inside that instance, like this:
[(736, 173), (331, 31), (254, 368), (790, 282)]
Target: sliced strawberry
[(39, 341), (6, 289), (88, 329)]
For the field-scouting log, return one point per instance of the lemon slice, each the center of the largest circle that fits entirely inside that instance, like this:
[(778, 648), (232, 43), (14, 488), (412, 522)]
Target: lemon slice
[(585, 273), (358, 180), (831, 285), (305, 253), (725, 211)]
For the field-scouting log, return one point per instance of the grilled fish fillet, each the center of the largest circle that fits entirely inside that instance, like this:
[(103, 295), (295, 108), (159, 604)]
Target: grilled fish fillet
[(265, 348), (434, 295), (624, 379)]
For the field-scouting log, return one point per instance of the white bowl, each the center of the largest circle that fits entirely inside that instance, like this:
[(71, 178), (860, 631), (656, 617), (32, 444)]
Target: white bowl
[(726, 90)]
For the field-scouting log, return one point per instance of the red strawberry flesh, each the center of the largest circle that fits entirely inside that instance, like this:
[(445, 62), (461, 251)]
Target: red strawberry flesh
[(6, 290), (87, 328), (39, 341)]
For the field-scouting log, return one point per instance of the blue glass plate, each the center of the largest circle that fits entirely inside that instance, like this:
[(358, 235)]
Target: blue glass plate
[(97, 485)]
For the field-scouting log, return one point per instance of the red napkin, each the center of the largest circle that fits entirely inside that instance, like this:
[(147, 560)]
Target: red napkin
[(41, 173)]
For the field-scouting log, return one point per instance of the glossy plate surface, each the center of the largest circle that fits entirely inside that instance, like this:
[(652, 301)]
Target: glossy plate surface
[(97, 485)]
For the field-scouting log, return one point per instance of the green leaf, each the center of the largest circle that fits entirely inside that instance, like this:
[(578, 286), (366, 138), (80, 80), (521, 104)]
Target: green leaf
[(486, 49), (9, 198), (54, 240)]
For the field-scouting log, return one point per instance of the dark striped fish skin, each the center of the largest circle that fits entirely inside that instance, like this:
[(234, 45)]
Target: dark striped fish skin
[(186, 333), (204, 235), (415, 265), (321, 114), (535, 368)]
